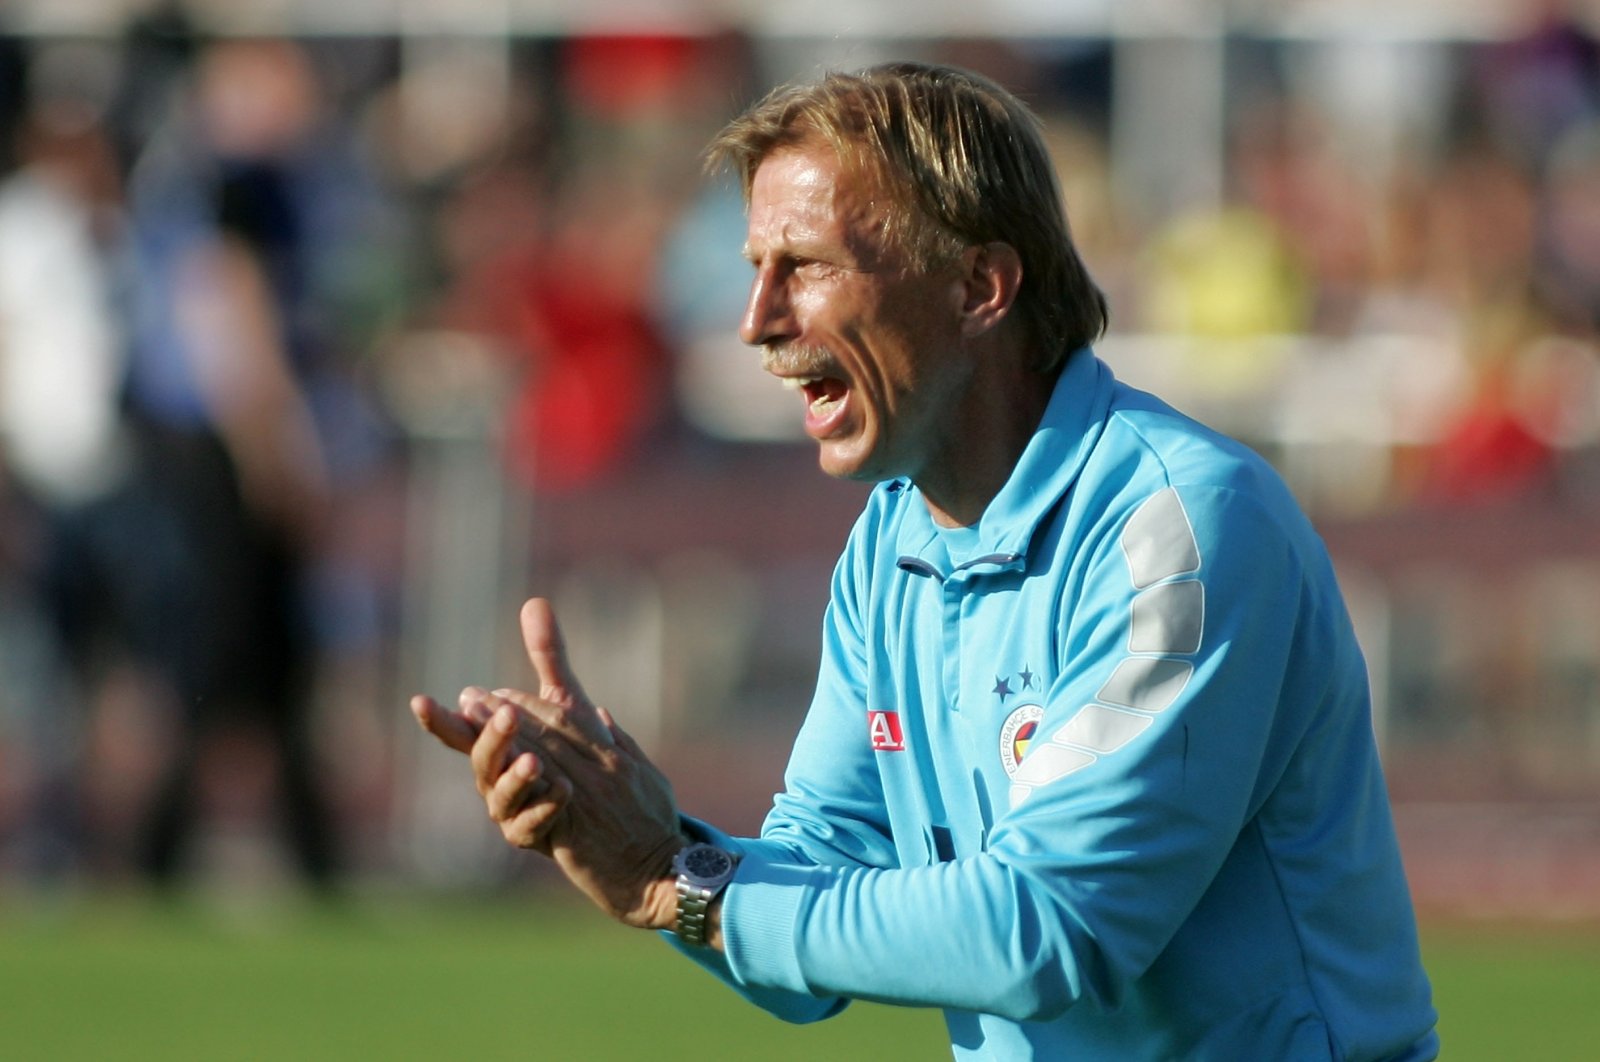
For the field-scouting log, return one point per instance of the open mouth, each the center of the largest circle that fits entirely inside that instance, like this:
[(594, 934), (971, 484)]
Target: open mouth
[(822, 393)]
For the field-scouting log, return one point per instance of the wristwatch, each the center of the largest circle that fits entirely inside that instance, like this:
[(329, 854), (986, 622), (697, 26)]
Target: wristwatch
[(703, 871)]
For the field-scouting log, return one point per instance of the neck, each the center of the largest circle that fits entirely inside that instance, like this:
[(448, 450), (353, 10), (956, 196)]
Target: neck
[(993, 428)]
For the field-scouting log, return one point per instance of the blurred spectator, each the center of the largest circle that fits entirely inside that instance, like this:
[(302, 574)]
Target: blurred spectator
[(562, 292), (1405, 291), (1569, 230), (1489, 451), (246, 422), (1227, 274), (1482, 207), (1528, 91), (701, 283), (1483, 210), (552, 253), (1232, 275), (61, 443), (62, 368)]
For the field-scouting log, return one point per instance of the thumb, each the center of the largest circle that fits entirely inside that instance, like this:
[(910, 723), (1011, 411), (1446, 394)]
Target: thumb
[(547, 652)]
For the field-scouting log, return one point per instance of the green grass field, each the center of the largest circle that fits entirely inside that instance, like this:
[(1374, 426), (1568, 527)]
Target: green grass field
[(485, 980)]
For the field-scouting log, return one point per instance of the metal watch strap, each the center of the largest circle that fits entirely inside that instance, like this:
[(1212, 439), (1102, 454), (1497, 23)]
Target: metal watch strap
[(693, 902)]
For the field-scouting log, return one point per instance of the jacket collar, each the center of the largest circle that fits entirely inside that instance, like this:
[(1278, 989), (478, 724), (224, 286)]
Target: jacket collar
[(1049, 465)]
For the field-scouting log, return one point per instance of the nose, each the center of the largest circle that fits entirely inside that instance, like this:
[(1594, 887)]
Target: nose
[(767, 317)]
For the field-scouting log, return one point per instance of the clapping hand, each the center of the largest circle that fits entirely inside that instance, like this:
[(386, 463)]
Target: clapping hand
[(557, 775)]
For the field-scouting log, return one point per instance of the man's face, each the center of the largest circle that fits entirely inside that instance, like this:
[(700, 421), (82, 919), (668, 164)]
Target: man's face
[(871, 342)]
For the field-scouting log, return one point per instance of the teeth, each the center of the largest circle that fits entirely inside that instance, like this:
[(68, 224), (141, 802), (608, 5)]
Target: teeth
[(822, 402)]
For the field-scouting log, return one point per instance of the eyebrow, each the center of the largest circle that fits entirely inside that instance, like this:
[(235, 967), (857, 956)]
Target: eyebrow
[(784, 249)]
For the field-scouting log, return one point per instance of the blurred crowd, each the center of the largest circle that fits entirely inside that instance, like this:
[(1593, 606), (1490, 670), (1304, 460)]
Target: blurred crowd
[(244, 281)]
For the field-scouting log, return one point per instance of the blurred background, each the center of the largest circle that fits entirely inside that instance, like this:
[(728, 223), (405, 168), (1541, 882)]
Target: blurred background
[(329, 332)]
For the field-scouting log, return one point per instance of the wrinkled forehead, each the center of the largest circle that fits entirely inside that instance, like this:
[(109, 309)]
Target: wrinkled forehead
[(843, 156), (806, 191)]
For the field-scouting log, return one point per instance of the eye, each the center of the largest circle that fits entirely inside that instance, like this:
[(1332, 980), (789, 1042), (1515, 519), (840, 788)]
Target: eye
[(813, 268), (797, 265)]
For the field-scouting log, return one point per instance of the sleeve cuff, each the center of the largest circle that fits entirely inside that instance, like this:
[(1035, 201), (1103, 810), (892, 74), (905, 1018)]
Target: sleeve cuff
[(761, 910)]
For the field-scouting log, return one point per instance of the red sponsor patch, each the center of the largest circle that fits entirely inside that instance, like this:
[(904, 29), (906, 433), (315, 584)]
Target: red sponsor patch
[(885, 730)]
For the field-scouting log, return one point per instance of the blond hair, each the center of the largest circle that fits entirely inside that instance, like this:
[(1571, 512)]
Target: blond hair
[(961, 161)]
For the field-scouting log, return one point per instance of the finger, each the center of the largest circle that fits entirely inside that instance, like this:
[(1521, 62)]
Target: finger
[(623, 739), (530, 828), (451, 728), (547, 652), (473, 706), (579, 723), (526, 801), (521, 784), (491, 752)]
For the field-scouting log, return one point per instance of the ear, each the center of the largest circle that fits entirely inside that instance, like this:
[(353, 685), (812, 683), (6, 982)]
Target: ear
[(990, 279)]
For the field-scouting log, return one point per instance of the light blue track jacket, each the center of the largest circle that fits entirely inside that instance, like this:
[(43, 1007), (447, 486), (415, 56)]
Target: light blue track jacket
[(1096, 776)]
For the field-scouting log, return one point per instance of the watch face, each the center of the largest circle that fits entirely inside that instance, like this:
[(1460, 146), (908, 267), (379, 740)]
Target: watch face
[(704, 861)]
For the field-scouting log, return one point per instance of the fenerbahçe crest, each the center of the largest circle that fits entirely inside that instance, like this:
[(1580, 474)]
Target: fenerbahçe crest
[(1017, 731)]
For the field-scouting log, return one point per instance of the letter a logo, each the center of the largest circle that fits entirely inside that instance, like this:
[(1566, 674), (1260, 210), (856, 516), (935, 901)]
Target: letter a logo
[(886, 733)]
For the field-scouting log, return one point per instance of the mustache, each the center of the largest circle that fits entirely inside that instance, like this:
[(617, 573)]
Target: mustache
[(795, 359)]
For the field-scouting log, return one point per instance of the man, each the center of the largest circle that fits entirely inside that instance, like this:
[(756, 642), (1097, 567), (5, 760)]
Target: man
[(1090, 762), (235, 425)]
